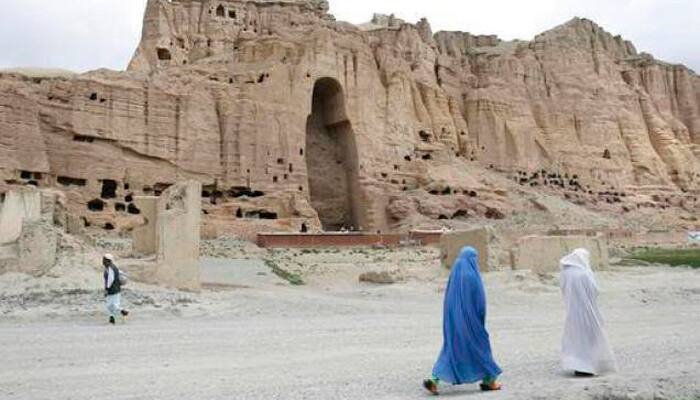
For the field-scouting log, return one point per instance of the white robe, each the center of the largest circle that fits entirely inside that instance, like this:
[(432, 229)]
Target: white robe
[(584, 345)]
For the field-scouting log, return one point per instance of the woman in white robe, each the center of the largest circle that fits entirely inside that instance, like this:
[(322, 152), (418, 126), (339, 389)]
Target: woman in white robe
[(585, 350)]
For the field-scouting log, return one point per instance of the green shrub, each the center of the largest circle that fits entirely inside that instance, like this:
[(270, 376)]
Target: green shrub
[(292, 278), (673, 257)]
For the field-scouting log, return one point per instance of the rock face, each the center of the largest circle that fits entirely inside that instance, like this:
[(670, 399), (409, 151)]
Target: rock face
[(288, 117)]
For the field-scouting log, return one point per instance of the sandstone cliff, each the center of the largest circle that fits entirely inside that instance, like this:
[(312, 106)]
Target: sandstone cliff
[(287, 116)]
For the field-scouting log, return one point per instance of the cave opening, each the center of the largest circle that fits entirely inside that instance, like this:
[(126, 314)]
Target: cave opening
[(331, 158), (163, 54), (67, 181), (109, 189), (132, 209), (260, 214), (96, 205)]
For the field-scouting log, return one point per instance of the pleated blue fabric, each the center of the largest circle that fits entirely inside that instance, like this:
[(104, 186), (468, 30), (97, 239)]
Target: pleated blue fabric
[(466, 352)]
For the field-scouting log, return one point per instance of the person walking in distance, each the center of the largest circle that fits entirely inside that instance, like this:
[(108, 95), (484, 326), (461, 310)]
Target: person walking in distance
[(585, 350), (113, 288)]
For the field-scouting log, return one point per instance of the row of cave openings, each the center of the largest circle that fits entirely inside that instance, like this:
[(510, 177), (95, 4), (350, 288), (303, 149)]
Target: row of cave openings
[(576, 192), (224, 13), (462, 214), (215, 195), (425, 156), (447, 191), (108, 193), (427, 137), (567, 182), (255, 78), (221, 12)]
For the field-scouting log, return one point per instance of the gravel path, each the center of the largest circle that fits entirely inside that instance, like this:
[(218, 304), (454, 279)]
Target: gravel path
[(358, 342)]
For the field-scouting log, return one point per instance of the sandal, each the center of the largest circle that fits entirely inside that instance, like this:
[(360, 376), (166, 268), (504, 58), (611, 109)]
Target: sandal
[(491, 387), (430, 386)]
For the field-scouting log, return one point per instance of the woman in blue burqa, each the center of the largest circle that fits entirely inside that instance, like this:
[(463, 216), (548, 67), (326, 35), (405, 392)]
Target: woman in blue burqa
[(466, 351)]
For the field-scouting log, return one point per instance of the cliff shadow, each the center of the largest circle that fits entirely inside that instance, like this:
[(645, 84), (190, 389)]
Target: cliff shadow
[(331, 158)]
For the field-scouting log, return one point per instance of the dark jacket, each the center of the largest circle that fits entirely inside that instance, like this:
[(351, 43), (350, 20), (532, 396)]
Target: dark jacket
[(116, 286)]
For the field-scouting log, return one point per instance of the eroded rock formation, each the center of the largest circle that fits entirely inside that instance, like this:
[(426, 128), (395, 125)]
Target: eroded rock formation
[(287, 116)]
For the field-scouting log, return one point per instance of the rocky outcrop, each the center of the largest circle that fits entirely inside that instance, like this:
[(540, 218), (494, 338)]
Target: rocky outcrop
[(288, 117)]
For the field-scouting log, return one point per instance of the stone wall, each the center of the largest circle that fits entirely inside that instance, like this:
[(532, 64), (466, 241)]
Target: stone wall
[(543, 253), (171, 236), (351, 239), (178, 236), (452, 243), (636, 239), (28, 238), (145, 237)]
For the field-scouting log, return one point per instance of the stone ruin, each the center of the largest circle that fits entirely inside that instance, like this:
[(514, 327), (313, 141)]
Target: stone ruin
[(543, 253), (28, 239), (166, 242), (169, 239), (289, 117), (537, 253), (452, 243)]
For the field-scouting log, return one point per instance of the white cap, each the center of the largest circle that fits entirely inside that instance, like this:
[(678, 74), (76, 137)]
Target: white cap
[(109, 257)]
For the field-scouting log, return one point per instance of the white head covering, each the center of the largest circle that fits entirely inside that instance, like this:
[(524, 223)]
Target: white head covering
[(579, 258), (108, 257)]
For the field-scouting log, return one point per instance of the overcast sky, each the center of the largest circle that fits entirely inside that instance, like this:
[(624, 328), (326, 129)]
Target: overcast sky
[(86, 34)]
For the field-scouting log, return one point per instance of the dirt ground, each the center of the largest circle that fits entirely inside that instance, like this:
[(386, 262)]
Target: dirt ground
[(256, 337)]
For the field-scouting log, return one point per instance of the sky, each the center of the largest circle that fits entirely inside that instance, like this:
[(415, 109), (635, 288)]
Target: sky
[(81, 35)]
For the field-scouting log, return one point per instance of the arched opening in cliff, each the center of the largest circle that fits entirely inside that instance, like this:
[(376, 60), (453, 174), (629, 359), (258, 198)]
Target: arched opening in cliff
[(331, 158), (163, 54)]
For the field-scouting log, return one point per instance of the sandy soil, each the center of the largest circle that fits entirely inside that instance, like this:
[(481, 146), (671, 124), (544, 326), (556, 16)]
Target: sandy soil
[(334, 338)]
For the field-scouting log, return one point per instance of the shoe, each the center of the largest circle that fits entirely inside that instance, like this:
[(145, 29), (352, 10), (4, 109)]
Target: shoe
[(125, 313), (112, 320), (493, 386), (580, 374), (430, 386)]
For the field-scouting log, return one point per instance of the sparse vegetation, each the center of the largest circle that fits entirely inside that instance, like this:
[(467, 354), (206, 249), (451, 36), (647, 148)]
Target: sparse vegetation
[(292, 278), (672, 257)]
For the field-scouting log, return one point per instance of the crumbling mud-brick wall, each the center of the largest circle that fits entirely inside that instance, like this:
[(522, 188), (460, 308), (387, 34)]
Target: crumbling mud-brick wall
[(171, 234), (28, 238), (452, 243), (145, 237), (543, 253)]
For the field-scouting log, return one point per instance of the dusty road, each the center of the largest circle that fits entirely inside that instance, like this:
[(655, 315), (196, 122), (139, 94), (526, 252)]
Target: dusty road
[(357, 342)]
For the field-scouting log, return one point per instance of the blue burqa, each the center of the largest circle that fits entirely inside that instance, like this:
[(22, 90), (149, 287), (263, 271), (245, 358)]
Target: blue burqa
[(466, 351)]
